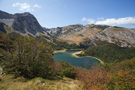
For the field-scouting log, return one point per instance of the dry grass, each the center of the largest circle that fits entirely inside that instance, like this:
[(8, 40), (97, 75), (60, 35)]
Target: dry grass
[(8, 83)]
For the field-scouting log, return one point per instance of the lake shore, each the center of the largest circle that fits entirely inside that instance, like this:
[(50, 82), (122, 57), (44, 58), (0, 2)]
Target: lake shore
[(80, 52), (97, 59), (56, 51), (75, 53)]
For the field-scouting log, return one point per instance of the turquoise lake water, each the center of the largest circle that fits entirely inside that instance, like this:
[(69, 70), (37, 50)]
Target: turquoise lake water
[(84, 62)]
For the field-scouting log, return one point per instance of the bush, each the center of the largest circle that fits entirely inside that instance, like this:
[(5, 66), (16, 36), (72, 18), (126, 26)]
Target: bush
[(122, 80), (93, 79), (124, 65), (30, 59), (67, 70)]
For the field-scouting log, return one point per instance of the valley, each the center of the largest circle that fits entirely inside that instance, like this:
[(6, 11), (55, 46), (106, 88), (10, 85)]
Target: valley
[(73, 57)]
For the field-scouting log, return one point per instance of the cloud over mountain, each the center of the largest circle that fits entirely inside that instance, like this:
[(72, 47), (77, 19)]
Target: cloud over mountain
[(111, 21), (89, 20), (119, 21), (26, 6)]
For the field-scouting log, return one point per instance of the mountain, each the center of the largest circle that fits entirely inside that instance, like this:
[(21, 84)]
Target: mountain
[(2, 29), (123, 37), (4, 15), (23, 23), (73, 33), (90, 34), (27, 25)]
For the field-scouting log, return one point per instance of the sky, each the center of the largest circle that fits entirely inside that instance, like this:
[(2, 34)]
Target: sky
[(58, 13)]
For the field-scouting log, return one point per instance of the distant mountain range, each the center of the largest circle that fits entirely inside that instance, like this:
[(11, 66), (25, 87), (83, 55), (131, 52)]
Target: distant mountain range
[(89, 34), (26, 24)]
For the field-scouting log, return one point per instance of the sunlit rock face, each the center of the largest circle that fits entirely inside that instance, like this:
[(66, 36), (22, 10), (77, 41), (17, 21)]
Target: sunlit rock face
[(89, 34)]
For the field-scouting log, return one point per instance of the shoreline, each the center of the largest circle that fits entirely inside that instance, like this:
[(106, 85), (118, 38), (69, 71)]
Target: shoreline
[(80, 52), (97, 59), (75, 54), (56, 51)]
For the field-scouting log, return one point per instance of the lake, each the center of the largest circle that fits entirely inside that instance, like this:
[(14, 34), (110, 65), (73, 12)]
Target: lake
[(84, 62)]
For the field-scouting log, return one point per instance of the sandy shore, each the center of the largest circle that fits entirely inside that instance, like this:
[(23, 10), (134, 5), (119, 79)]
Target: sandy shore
[(75, 53), (97, 59), (80, 52), (56, 51)]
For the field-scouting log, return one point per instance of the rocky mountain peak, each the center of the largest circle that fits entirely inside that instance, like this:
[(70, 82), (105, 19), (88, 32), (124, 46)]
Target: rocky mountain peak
[(26, 22), (4, 15), (23, 14), (23, 23)]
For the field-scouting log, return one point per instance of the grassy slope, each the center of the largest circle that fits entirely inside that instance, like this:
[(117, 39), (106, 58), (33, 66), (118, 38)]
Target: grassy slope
[(8, 83)]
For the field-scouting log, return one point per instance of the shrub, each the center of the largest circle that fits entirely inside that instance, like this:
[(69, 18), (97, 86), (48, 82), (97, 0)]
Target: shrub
[(122, 80), (67, 70), (30, 59), (93, 79)]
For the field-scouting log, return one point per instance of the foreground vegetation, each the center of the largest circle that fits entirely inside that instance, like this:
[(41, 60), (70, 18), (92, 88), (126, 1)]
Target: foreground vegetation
[(28, 65), (30, 58), (120, 76), (20, 83)]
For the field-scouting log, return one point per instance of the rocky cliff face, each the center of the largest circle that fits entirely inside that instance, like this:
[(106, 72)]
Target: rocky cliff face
[(23, 23)]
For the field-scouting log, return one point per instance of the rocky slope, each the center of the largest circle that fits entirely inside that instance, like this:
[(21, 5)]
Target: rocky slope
[(23, 23), (26, 24), (123, 37), (89, 34)]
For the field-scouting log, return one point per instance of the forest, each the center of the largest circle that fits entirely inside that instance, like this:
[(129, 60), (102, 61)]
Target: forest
[(110, 53)]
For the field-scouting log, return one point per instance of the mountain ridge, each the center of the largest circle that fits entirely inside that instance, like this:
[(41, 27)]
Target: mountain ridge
[(89, 34), (23, 23), (26, 24)]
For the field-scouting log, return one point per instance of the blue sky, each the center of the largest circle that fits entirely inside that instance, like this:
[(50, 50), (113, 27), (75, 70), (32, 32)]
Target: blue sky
[(57, 13)]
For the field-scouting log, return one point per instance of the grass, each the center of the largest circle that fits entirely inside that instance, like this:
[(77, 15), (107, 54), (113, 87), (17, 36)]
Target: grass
[(7, 82)]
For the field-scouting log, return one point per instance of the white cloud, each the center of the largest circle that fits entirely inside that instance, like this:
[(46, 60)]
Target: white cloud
[(83, 19), (37, 6), (90, 21), (23, 6), (111, 21), (119, 21), (26, 7)]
